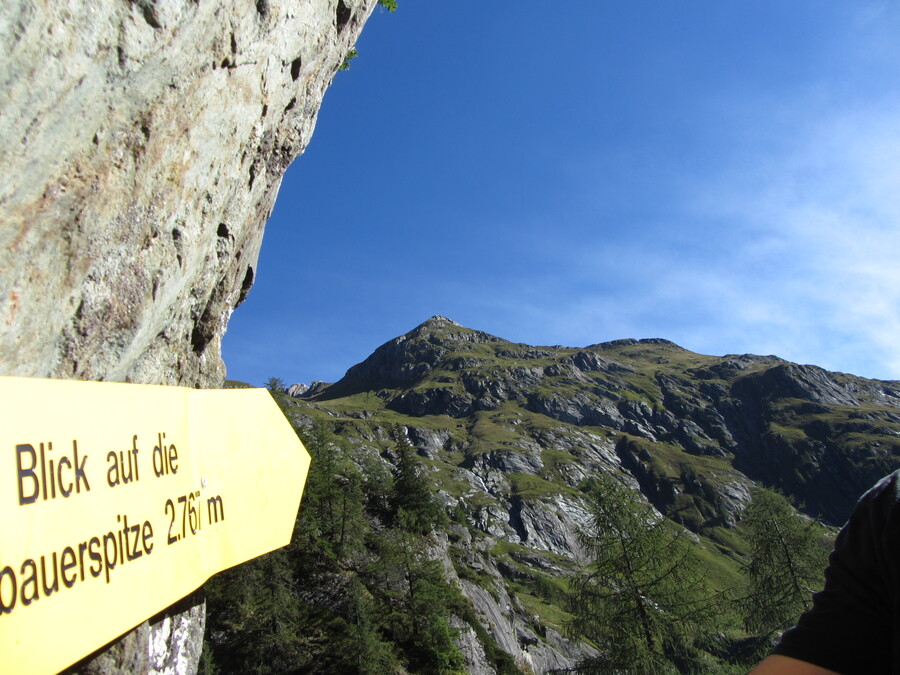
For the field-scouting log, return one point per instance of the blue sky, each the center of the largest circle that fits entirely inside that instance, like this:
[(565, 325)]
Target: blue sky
[(722, 174)]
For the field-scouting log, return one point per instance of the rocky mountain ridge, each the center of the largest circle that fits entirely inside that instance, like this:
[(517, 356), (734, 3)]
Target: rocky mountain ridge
[(511, 433), (780, 423)]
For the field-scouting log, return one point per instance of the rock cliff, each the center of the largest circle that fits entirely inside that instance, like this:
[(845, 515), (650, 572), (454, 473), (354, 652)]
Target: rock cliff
[(142, 145)]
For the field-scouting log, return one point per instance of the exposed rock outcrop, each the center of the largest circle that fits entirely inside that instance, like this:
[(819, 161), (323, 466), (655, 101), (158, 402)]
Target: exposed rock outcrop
[(409, 358), (142, 145), (297, 390)]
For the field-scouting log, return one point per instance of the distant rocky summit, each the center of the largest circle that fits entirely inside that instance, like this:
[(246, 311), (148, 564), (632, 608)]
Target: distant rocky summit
[(297, 390), (306, 390), (142, 145)]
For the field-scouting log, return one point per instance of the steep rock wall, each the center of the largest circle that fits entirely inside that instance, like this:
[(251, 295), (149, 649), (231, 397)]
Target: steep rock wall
[(142, 145)]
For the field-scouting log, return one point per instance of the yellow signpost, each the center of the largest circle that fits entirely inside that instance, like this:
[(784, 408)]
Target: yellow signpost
[(116, 500)]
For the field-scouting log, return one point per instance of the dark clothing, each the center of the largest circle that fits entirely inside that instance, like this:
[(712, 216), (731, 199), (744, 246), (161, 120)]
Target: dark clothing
[(854, 624)]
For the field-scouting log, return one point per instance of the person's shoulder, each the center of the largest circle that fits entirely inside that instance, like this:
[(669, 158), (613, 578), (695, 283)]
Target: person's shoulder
[(879, 506), (885, 493), (890, 483)]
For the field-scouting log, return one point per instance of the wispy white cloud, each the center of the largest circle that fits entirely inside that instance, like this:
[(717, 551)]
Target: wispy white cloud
[(830, 219), (793, 251)]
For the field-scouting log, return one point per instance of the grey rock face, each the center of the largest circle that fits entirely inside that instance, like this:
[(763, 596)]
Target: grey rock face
[(581, 409), (168, 644), (428, 442), (437, 401), (476, 662), (818, 385), (535, 648), (508, 625), (142, 145), (174, 644), (297, 390), (508, 461), (552, 525)]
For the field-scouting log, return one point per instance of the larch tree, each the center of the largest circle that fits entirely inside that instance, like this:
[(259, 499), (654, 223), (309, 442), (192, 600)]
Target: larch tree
[(642, 600), (785, 566)]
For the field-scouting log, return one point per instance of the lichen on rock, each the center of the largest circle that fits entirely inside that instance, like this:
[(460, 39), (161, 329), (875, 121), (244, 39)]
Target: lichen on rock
[(143, 145)]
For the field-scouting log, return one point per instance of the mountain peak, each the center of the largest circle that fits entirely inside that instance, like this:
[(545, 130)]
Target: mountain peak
[(437, 321), (408, 358)]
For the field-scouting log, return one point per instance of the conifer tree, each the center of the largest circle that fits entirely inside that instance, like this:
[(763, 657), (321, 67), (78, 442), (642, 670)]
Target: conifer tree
[(642, 598), (415, 509), (785, 566), (372, 655), (331, 522), (254, 621), (276, 385), (418, 602)]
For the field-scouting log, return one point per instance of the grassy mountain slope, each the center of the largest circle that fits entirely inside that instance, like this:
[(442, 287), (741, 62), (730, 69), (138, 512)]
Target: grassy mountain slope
[(509, 437)]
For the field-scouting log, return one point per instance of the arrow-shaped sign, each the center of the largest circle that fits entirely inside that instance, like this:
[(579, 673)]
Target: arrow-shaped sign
[(117, 500)]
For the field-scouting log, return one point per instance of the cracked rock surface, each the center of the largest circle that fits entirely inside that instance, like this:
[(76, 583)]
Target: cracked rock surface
[(142, 145)]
